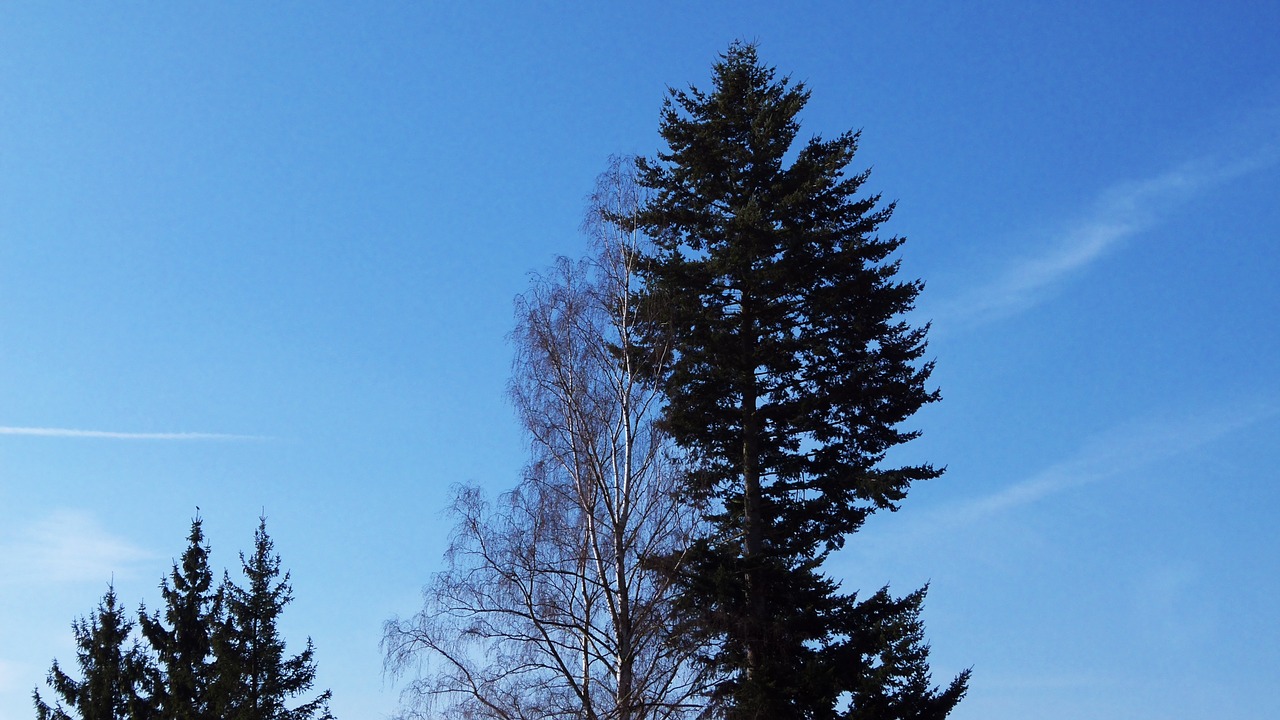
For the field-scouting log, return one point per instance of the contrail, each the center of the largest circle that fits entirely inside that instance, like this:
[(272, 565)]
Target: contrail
[(112, 435)]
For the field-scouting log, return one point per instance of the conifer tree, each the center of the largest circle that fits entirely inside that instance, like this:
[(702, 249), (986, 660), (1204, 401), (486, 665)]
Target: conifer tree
[(793, 373), (113, 671), (182, 640), (255, 678)]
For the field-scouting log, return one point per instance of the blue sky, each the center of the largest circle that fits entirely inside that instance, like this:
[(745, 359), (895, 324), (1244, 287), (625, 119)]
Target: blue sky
[(267, 256)]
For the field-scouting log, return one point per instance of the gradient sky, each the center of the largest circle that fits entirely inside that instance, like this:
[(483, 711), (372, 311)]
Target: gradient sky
[(261, 259)]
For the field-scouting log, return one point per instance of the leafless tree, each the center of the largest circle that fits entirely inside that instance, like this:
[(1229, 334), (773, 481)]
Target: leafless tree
[(551, 606)]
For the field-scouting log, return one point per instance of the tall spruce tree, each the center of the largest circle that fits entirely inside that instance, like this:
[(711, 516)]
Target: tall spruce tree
[(255, 678), (181, 641), (794, 371), (113, 671)]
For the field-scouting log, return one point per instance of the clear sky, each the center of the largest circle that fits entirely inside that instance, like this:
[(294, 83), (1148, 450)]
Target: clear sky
[(267, 251)]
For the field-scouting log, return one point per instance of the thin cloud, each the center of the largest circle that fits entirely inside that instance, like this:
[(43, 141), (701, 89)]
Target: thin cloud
[(1120, 213), (9, 673), (1051, 681), (67, 546), (1121, 450), (1165, 596), (112, 435)]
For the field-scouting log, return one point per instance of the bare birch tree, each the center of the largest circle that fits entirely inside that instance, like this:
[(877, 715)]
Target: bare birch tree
[(550, 606)]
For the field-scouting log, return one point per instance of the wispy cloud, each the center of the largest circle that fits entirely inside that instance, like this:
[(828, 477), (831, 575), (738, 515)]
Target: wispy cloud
[(66, 546), (1167, 605), (9, 673), (1119, 213), (1041, 682), (113, 435), (1121, 450)]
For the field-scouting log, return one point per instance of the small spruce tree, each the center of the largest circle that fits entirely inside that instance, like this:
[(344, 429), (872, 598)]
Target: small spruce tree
[(181, 640), (255, 678), (113, 670)]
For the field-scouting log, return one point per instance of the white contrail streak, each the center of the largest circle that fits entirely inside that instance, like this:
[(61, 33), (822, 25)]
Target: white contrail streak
[(112, 435)]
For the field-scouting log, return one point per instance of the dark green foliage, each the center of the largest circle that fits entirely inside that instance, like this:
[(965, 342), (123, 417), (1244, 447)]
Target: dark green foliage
[(890, 662), (181, 640), (113, 671), (793, 374), (255, 678), (216, 654)]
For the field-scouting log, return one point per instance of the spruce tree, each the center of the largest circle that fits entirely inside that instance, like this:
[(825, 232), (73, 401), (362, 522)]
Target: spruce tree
[(794, 371), (255, 677), (113, 671), (182, 640)]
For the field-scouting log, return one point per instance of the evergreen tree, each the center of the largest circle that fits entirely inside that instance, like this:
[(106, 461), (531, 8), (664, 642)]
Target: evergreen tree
[(793, 373), (112, 669), (182, 640), (255, 678)]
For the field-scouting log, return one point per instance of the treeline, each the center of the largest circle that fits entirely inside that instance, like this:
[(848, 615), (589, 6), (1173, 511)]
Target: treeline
[(213, 652), (711, 397)]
